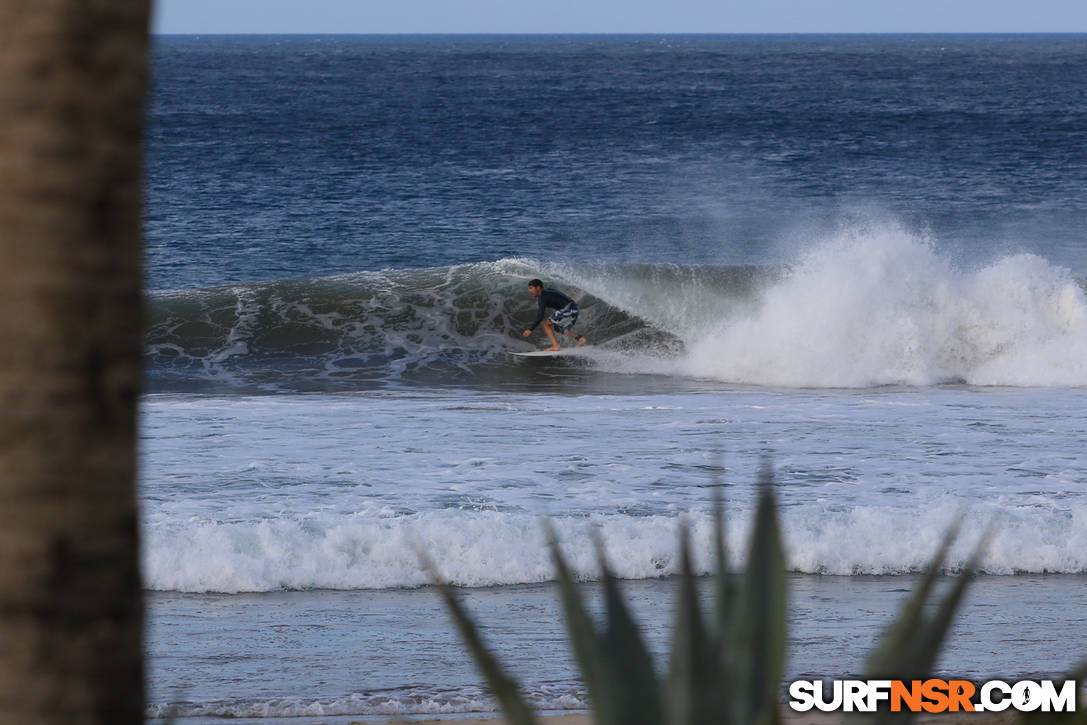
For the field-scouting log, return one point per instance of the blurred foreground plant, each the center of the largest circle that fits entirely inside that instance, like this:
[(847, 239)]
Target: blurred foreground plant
[(725, 666)]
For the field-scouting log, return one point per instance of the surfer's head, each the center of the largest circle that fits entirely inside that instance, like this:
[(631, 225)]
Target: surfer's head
[(535, 286)]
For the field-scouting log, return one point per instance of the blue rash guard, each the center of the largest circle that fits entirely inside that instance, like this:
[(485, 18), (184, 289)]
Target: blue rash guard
[(555, 300)]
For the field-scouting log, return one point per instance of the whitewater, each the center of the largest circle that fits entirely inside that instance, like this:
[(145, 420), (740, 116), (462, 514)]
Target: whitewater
[(874, 305)]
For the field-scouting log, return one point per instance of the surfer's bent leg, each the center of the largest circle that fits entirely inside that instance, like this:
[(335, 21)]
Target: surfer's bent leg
[(550, 330), (565, 319)]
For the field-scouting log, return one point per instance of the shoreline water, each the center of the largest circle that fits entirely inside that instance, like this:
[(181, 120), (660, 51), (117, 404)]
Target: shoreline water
[(380, 654), (585, 718), (276, 495), (787, 716)]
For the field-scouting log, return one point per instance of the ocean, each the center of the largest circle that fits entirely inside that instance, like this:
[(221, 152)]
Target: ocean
[(861, 258)]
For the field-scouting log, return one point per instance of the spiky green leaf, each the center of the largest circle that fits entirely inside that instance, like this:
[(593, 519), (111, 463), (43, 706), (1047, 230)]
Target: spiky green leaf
[(629, 675), (934, 632), (583, 637), (889, 658), (757, 659), (504, 688), (724, 592), (615, 663), (909, 649), (695, 692)]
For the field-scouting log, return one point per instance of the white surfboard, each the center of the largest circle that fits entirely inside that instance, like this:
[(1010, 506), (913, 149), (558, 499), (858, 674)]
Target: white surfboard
[(554, 353)]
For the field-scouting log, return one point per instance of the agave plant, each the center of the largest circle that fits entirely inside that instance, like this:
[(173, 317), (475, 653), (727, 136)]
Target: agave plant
[(909, 646), (725, 666)]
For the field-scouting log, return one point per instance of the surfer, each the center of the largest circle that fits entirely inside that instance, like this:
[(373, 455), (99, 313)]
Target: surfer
[(562, 319)]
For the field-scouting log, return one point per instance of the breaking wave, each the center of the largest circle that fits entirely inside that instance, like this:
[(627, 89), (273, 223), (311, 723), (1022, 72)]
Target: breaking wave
[(884, 307), (871, 306), (489, 548), (339, 332)]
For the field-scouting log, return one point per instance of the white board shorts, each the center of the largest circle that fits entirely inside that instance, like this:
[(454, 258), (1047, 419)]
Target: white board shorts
[(564, 319)]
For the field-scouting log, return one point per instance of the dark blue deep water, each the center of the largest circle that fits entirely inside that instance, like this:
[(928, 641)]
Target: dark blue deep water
[(300, 157)]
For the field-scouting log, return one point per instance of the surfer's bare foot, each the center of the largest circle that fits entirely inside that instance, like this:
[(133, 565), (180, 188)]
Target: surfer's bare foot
[(553, 348), (581, 340)]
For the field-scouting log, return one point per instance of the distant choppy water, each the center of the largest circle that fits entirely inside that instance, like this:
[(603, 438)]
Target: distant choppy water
[(862, 256), (302, 157)]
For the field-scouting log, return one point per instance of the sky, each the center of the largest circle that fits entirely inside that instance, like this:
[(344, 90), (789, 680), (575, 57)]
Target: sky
[(619, 16)]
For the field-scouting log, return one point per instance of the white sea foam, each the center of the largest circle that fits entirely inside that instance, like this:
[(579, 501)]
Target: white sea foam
[(879, 305), (422, 702), (484, 548)]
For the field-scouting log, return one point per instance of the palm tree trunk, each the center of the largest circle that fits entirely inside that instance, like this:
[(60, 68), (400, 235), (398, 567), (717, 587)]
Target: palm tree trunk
[(73, 75)]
